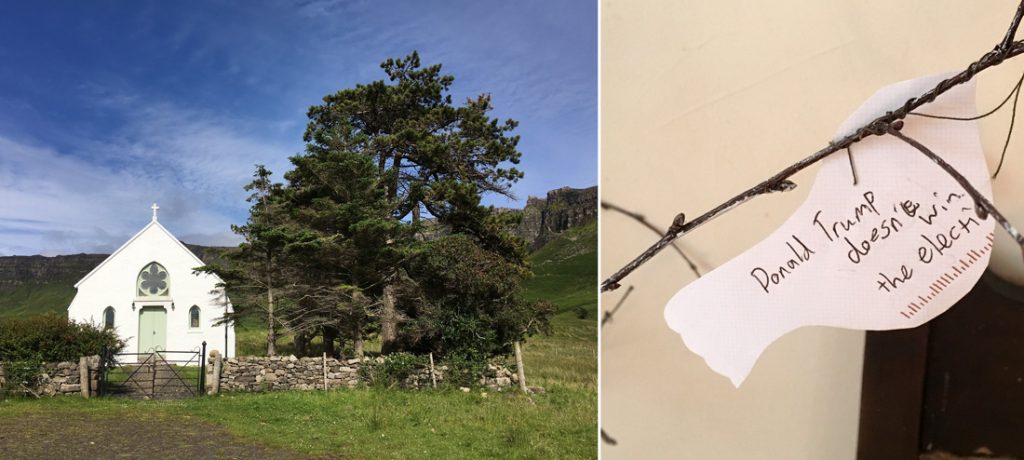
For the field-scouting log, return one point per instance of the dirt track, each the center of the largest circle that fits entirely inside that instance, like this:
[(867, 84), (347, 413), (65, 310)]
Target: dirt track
[(76, 435)]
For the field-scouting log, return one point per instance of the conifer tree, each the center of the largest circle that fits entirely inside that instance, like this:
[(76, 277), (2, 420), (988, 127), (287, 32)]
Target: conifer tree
[(429, 155)]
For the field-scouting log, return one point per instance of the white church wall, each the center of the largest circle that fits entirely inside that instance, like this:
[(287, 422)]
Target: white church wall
[(113, 284)]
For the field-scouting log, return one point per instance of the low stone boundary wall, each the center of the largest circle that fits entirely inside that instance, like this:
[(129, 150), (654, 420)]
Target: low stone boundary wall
[(250, 373), (64, 378), (257, 373)]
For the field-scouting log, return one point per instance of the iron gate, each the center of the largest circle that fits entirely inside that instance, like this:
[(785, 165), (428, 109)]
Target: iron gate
[(158, 374)]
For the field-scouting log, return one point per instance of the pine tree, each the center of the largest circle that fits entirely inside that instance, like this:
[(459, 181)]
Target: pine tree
[(257, 274), (428, 155)]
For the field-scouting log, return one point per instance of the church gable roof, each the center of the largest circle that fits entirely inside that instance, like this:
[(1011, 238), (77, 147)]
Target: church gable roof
[(155, 226)]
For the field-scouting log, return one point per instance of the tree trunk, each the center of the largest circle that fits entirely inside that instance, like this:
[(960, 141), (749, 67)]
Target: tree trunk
[(301, 341), (519, 368), (330, 334), (357, 341), (389, 321), (271, 333)]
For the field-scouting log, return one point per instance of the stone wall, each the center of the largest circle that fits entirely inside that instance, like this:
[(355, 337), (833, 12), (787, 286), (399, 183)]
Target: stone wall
[(291, 373), (251, 373), (63, 378)]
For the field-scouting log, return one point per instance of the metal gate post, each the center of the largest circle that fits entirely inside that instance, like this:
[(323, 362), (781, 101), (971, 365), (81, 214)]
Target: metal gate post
[(101, 381), (202, 371)]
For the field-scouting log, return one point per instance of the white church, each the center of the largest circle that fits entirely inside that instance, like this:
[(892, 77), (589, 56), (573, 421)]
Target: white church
[(147, 292)]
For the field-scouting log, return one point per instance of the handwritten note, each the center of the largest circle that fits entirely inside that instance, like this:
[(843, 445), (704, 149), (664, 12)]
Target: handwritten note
[(891, 252)]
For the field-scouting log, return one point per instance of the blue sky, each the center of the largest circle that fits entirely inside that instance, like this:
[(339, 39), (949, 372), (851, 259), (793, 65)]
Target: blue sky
[(108, 107)]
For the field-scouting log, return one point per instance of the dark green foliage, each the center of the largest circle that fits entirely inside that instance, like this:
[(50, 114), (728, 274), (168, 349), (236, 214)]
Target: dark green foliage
[(469, 302), (465, 371), (53, 338), (19, 375), (391, 371)]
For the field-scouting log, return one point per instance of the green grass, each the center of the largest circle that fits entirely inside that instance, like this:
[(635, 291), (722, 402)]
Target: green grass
[(36, 298), (374, 423)]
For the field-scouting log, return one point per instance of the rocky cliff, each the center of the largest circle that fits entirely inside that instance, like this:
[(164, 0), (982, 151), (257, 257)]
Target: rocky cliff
[(18, 270), (563, 209)]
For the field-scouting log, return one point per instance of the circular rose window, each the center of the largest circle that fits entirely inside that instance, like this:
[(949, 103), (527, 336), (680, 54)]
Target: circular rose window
[(153, 281)]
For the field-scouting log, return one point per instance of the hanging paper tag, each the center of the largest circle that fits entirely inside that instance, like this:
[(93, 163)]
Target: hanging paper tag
[(891, 252)]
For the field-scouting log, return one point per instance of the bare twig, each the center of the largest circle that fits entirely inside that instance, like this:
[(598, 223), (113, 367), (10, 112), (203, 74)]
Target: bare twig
[(643, 221), (1006, 49), (983, 207), (608, 314), (1011, 33)]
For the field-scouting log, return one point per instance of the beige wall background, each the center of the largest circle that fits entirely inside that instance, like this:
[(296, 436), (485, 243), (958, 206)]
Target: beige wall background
[(701, 100)]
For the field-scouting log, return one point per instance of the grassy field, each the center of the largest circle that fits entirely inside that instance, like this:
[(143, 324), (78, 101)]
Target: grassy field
[(372, 423)]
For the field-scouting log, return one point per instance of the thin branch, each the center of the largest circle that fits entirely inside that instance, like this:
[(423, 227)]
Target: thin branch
[(983, 206), (608, 314), (876, 127), (643, 221), (1011, 33)]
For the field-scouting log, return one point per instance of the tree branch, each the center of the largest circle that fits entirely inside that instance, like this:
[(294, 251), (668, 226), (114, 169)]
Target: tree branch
[(879, 126), (610, 313), (643, 221), (982, 206)]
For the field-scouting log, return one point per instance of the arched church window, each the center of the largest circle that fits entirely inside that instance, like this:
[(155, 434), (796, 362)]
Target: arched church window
[(193, 316), (108, 318), (153, 281)]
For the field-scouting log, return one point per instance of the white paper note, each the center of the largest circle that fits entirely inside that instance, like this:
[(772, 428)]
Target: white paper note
[(892, 252)]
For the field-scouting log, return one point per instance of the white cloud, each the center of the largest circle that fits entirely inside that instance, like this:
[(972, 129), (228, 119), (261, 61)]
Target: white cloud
[(94, 198)]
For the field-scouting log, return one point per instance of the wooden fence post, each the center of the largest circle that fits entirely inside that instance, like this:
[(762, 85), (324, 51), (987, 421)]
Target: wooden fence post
[(519, 369), (433, 378), (325, 371)]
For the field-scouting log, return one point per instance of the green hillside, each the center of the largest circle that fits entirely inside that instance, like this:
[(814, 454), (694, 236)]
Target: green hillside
[(36, 298), (565, 272)]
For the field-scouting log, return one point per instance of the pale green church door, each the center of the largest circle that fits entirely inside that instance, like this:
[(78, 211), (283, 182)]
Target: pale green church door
[(152, 329)]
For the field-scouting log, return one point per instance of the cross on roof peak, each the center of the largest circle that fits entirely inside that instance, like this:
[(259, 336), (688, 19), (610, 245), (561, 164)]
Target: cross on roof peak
[(154, 208)]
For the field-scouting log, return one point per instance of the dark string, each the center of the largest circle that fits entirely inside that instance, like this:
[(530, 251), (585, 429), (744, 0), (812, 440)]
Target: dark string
[(849, 154), (1015, 93)]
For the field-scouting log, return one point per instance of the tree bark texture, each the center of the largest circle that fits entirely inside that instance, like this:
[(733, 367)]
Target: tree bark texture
[(389, 321)]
